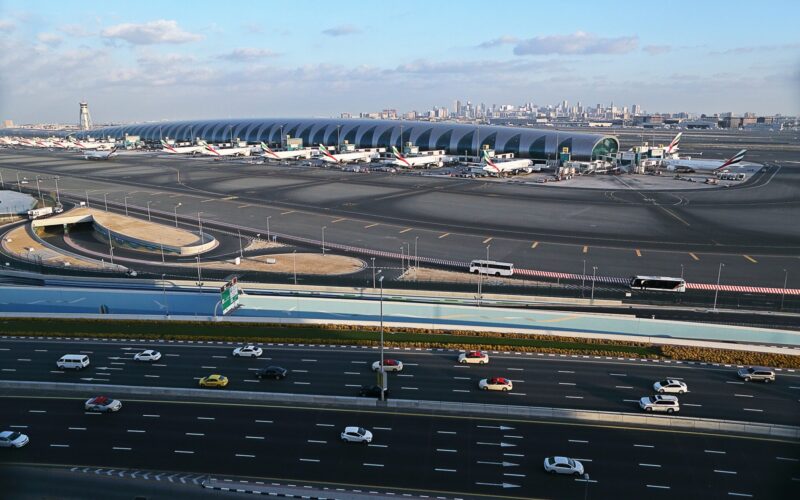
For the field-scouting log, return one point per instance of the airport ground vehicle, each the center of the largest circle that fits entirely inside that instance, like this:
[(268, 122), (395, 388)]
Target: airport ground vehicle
[(563, 465), (148, 355), (670, 386), (658, 283), (756, 373), (389, 365), (275, 372), (660, 403), (102, 404), (491, 268), (215, 380), (39, 212), (73, 361), (473, 357), (356, 435)]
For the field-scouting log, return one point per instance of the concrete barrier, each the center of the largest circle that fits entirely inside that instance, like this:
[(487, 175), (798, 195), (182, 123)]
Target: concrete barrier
[(511, 411)]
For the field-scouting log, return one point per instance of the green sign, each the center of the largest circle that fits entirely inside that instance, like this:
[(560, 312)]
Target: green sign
[(229, 296)]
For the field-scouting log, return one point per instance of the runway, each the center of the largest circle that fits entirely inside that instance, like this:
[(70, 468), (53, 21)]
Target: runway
[(621, 232)]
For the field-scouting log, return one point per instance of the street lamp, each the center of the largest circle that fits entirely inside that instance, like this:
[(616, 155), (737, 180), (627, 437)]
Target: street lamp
[(681, 271), (716, 290), (583, 279), (323, 240), (785, 280), (294, 265), (105, 200), (384, 384), (373, 273), (416, 256), (402, 259), (58, 195), (176, 213), (594, 276), (39, 189), (241, 251), (268, 218), (19, 185), (164, 291), (87, 197), (126, 205), (148, 210), (199, 279)]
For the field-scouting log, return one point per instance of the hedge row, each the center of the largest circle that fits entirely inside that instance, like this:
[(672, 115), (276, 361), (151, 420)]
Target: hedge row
[(730, 357)]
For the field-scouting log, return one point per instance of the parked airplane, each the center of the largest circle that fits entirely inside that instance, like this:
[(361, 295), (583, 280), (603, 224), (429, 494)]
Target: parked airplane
[(100, 155), (210, 150), (506, 167), (672, 149), (285, 155), (714, 166), (99, 145), (415, 161), (356, 156), (182, 149)]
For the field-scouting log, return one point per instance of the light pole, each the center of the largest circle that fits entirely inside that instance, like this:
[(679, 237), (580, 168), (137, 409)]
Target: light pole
[(105, 200), (681, 271), (384, 384), (241, 251), (594, 276), (373, 273), (416, 255), (19, 185), (164, 292), (199, 282), (402, 259), (176, 213), (126, 205), (58, 195), (268, 218), (87, 198), (323, 240), (39, 189), (583, 279), (294, 265), (111, 247), (716, 290), (200, 227), (148, 210), (487, 252), (785, 281), (2, 184)]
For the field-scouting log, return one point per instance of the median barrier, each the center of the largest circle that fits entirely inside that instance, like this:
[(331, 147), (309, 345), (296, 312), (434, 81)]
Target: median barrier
[(434, 407)]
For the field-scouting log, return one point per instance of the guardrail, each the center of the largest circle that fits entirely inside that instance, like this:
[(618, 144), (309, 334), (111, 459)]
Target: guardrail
[(524, 412)]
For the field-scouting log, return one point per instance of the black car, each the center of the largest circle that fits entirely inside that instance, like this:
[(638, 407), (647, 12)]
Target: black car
[(373, 391), (275, 372)]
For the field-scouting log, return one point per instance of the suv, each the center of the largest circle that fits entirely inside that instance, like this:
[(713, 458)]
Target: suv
[(757, 373), (660, 402)]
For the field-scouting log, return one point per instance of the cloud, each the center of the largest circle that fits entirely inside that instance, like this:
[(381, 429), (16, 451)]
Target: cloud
[(756, 48), (50, 39), (580, 42), (255, 28), (341, 30), (496, 42), (247, 54), (160, 31), (75, 30), (7, 26), (655, 50)]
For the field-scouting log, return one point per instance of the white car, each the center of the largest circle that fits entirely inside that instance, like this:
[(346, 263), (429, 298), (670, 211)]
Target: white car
[(13, 439), (473, 357), (670, 386), (496, 384), (660, 403), (389, 365), (563, 465), (148, 355), (103, 403), (248, 351), (356, 435)]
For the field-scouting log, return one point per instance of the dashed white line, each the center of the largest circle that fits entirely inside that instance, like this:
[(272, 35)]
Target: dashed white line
[(325, 425), (299, 371), (243, 455), (623, 387), (574, 397), (301, 383), (461, 378), (743, 395), (717, 452), (37, 411), (410, 388), (446, 450), (137, 431), (445, 432), (185, 452), (151, 416), (206, 418), (373, 465), (382, 428), (378, 445), (76, 428), (121, 448), (566, 383), (650, 465), (724, 471), (643, 446), (565, 371), (734, 494), (59, 446), (309, 360), (352, 373), (787, 459), (314, 460), (263, 421), (578, 441), (317, 441), (753, 409), (439, 470), (460, 390), (618, 374), (658, 486)]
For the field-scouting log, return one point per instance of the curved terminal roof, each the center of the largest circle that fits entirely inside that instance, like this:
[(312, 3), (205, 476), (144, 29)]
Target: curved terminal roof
[(455, 138)]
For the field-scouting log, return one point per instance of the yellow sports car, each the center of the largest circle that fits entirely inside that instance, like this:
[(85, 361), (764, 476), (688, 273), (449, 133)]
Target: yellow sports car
[(214, 381)]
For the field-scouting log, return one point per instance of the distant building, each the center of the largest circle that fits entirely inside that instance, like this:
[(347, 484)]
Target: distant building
[(8, 123)]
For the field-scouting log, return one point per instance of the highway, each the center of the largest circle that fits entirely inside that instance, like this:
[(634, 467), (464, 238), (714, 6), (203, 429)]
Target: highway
[(563, 382), (441, 456)]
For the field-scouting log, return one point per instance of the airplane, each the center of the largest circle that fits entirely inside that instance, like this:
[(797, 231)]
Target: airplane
[(713, 166), (672, 149), (506, 167), (356, 156), (415, 161), (91, 144), (285, 155), (183, 149), (209, 150), (100, 155)]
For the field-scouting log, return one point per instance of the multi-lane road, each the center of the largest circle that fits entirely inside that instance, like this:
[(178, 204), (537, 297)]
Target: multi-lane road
[(435, 456), (539, 380)]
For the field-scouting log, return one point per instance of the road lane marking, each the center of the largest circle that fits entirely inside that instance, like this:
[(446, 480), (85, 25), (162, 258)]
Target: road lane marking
[(716, 452), (462, 378), (359, 362), (371, 225), (446, 450), (405, 230), (308, 361), (443, 470), (263, 421), (377, 445), (565, 371), (59, 446), (195, 434), (140, 431), (352, 373), (658, 486), (732, 382), (566, 383), (691, 404), (787, 459), (734, 494), (692, 255), (643, 446), (578, 441), (446, 432), (151, 416), (623, 387), (37, 411), (724, 471), (338, 220), (444, 235), (410, 388), (299, 371), (352, 385), (487, 240), (743, 395), (14, 369), (317, 441), (618, 374), (372, 465), (185, 452), (535, 244), (288, 212), (638, 253), (243, 455), (754, 261), (585, 249), (753, 409), (460, 390), (314, 460), (302, 383), (325, 425), (152, 376), (383, 428), (650, 465), (574, 397), (76, 428), (206, 418), (254, 437), (121, 448)]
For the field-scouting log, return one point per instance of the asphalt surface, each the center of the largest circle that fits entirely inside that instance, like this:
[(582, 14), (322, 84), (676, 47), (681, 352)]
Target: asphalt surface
[(441, 456), (622, 232), (593, 384)]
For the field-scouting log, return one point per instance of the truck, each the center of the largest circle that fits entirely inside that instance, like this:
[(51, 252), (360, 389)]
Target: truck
[(40, 212)]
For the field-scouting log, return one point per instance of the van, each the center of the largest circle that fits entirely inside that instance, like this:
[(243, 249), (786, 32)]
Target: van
[(73, 361)]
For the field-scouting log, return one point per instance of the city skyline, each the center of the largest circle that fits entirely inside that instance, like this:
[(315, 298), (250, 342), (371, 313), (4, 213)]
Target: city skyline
[(315, 60)]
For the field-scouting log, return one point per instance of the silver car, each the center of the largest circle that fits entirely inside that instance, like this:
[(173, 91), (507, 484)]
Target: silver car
[(356, 435), (670, 386), (757, 373), (668, 404), (13, 439), (563, 465)]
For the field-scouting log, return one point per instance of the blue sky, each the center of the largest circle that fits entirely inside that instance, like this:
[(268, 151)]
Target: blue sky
[(143, 60)]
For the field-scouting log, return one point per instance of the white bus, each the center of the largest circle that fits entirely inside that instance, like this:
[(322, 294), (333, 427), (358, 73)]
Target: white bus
[(491, 267), (658, 283)]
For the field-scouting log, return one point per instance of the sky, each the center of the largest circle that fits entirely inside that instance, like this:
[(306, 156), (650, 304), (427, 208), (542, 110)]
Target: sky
[(156, 60)]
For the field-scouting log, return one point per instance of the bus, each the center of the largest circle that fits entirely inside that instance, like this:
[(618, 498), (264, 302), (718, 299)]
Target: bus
[(491, 267), (658, 283)]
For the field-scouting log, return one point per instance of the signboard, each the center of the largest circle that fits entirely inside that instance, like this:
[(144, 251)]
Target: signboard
[(229, 296)]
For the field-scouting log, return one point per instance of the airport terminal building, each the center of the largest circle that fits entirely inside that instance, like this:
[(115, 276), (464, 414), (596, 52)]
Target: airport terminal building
[(454, 138)]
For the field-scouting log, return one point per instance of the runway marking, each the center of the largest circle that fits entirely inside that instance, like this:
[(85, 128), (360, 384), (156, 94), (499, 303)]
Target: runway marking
[(371, 225), (487, 240), (445, 235), (638, 253), (406, 230), (585, 249), (670, 212), (338, 220), (227, 198), (289, 212), (210, 199), (244, 206), (754, 261), (534, 244), (692, 255)]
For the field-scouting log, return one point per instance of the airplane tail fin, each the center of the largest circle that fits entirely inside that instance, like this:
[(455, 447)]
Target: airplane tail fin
[(673, 146), (489, 161), (400, 157), (733, 160)]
